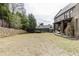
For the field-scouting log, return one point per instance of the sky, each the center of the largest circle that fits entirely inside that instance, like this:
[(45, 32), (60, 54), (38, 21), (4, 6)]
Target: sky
[(44, 12)]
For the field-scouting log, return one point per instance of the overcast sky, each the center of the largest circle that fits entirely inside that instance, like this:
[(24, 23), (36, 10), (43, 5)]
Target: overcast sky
[(44, 12)]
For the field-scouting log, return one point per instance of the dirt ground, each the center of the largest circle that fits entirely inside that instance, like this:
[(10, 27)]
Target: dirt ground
[(38, 44)]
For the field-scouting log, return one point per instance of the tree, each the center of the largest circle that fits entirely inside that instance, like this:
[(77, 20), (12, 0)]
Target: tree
[(24, 21), (32, 23), (15, 21), (4, 12)]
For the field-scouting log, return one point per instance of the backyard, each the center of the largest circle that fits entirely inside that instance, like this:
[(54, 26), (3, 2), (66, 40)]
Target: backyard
[(38, 44)]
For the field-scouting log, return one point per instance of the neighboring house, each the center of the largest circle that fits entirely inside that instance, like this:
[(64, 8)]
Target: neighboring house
[(45, 28), (17, 7), (66, 20)]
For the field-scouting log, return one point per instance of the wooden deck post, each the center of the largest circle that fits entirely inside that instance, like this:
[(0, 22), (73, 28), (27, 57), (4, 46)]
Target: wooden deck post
[(62, 27)]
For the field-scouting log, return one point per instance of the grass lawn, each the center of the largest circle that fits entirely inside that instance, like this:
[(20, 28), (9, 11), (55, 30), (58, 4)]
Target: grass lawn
[(36, 44), (68, 45)]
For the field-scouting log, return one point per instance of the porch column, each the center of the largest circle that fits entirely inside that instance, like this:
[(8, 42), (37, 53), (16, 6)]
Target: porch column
[(54, 27), (62, 27)]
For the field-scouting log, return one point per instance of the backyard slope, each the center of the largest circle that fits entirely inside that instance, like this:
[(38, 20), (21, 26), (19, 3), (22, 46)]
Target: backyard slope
[(9, 31)]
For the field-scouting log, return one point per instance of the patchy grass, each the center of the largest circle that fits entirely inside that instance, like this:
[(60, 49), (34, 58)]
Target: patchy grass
[(38, 44)]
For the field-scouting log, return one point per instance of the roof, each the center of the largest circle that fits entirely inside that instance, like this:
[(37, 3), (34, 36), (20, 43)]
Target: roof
[(69, 6)]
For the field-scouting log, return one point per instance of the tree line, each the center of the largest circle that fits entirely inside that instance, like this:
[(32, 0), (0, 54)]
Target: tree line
[(17, 20)]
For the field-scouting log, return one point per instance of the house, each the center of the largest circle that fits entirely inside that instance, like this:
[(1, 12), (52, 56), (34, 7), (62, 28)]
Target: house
[(66, 20), (45, 28)]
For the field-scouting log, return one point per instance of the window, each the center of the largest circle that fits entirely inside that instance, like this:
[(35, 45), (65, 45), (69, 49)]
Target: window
[(65, 16), (70, 13)]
